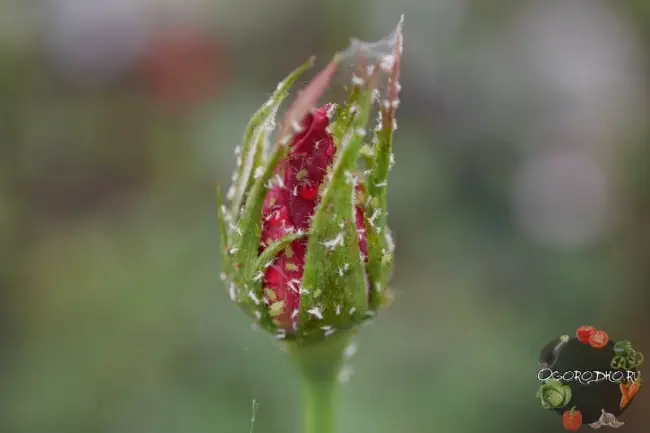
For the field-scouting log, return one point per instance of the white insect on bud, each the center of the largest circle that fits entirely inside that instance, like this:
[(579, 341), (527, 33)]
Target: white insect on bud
[(232, 292), (259, 171), (297, 128), (387, 63), (231, 193), (279, 181), (350, 351), (330, 112), (286, 139), (375, 95), (333, 243), (390, 243), (294, 285), (357, 81), (374, 216), (316, 312), (349, 177), (253, 297)]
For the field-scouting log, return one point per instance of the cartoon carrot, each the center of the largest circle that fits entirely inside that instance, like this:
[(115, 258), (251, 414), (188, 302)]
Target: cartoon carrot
[(633, 389), (628, 392), (625, 389)]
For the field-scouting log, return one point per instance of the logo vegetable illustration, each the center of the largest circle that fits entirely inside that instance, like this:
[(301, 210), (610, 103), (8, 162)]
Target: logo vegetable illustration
[(306, 247), (594, 375), (553, 394), (572, 419), (629, 391), (599, 339), (584, 333), (625, 356)]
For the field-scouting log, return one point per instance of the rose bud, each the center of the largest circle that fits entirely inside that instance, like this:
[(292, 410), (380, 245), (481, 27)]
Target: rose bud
[(307, 251)]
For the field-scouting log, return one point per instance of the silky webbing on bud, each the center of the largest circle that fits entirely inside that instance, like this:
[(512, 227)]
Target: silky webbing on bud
[(380, 161)]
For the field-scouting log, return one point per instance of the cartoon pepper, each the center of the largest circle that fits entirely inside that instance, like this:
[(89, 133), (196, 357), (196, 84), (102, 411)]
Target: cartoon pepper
[(625, 357), (622, 347), (572, 419)]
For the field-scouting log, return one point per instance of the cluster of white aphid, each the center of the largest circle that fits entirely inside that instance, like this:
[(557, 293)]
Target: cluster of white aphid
[(247, 169), (346, 371)]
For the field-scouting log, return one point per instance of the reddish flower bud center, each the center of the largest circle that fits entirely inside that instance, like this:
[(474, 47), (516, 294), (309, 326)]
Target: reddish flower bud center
[(308, 193), (289, 206)]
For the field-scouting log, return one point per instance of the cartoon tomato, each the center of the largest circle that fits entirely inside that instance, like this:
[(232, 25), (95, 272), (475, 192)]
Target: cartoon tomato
[(572, 419), (599, 340), (584, 333)]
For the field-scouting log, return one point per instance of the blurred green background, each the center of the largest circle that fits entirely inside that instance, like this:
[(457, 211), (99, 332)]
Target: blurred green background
[(520, 202)]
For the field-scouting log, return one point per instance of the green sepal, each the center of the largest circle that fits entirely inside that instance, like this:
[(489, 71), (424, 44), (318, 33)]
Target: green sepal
[(377, 271), (256, 134), (224, 240), (367, 156), (223, 232), (334, 275), (275, 248), (377, 191), (246, 240)]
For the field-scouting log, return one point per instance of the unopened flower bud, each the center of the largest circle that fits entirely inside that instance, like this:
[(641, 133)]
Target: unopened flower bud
[(306, 248)]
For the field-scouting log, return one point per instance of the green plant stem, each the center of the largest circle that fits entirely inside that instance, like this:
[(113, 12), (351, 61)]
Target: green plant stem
[(319, 365), (319, 400)]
